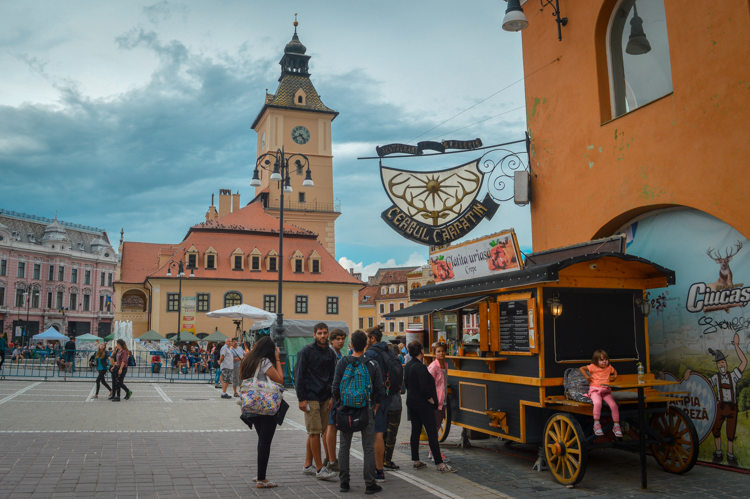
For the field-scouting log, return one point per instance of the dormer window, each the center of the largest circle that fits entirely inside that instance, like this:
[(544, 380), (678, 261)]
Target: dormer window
[(298, 261), (210, 258), (401, 288), (300, 98), (192, 261), (384, 290), (315, 262), (272, 262), (237, 259), (393, 289), (255, 257)]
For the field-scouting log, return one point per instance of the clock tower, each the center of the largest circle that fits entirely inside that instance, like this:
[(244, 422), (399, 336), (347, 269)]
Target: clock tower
[(296, 119)]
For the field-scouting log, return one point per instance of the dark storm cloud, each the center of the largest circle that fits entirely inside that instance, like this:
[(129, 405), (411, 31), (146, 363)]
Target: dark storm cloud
[(138, 155)]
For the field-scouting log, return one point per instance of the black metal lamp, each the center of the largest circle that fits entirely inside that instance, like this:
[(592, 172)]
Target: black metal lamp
[(281, 174), (643, 305), (515, 19), (637, 43), (555, 306)]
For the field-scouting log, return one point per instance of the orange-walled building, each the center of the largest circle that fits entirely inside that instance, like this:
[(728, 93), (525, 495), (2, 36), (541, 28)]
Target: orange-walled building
[(688, 147), (638, 119)]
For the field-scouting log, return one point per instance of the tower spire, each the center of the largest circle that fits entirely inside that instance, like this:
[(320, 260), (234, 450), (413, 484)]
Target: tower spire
[(294, 61)]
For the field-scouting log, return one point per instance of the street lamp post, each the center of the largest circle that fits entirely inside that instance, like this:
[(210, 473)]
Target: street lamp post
[(180, 275), (27, 297), (278, 164)]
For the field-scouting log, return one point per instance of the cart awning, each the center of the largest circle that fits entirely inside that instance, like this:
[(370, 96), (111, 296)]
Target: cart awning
[(428, 307)]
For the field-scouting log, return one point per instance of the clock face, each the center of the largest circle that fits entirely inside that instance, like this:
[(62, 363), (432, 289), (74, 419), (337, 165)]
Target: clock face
[(300, 135)]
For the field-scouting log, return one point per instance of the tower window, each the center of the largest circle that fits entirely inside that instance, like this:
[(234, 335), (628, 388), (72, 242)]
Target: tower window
[(299, 99), (301, 197)]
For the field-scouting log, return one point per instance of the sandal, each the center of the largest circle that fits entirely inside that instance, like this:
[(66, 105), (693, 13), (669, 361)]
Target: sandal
[(265, 484), (95, 397), (419, 465), (598, 429), (446, 468)]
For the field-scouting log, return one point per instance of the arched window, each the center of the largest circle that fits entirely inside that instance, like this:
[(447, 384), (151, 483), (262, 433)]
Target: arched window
[(132, 301), (232, 298), (637, 55)]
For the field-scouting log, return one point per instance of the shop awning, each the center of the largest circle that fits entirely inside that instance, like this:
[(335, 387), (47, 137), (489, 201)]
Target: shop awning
[(428, 307)]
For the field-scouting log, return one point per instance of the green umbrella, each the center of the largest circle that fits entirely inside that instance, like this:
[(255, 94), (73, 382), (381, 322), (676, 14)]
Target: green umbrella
[(215, 336), (109, 337), (186, 336), (150, 335), (88, 337)]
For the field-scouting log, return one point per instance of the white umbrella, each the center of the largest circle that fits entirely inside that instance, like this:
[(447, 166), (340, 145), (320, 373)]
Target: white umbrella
[(243, 312)]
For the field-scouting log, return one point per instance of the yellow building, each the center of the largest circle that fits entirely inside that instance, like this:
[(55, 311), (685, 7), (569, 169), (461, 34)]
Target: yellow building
[(232, 257), (295, 119)]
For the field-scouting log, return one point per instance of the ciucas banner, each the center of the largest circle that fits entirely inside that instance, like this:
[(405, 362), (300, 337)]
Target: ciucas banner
[(700, 327)]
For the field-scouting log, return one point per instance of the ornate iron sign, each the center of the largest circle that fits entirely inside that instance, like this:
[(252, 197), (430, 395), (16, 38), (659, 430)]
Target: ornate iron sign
[(438, 207)]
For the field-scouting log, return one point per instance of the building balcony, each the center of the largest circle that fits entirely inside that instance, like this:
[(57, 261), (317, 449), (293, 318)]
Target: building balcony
[(312, 206)]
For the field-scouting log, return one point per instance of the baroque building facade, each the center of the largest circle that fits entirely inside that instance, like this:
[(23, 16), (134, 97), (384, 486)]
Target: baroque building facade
[(54, 274)]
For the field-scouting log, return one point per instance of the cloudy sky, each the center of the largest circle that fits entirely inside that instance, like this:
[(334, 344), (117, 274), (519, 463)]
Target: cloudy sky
[(130, 114)]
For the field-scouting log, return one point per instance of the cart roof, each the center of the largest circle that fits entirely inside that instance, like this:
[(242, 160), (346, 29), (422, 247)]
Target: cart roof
[(428, 307), (535, 273)]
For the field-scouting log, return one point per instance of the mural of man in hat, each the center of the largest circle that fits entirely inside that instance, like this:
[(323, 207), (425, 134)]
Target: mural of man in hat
[(725, 384)]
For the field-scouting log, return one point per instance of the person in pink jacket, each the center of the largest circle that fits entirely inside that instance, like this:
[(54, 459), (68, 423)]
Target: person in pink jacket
[(439, 371)]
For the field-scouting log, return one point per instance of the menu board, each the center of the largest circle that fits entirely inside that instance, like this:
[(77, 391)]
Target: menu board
[(514, 326)]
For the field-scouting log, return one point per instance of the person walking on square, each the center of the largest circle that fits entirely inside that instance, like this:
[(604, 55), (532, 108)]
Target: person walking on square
[(316, 364), (226, 362), (393, 374), (70, 354), (347, 387), (337, 338), (439, 371), (121, 370), (421, 402), (237, 354), (102, 366), (263, 364), (394, 421)]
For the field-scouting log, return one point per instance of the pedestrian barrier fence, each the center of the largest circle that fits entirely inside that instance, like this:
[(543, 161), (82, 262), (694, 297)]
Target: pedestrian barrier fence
[(153, 365)]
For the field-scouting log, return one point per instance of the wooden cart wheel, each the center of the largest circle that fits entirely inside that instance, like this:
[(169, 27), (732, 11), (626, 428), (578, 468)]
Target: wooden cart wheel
[(445, 425), (564, 448), (677, 450)]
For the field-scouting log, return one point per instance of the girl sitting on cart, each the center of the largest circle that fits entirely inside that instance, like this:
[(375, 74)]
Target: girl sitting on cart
[(599, 374)]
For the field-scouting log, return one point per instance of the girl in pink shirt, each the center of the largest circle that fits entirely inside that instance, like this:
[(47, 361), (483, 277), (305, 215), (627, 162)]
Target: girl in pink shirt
[(599, 374)]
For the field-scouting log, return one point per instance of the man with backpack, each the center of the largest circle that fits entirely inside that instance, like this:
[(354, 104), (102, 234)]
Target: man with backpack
[(357, 391), (393, 377)]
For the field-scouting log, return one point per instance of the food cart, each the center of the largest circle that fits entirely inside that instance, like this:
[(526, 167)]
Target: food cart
[(512, 335)]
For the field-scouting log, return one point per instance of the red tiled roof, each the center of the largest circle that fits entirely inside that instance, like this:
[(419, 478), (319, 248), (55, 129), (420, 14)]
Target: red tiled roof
[(370, 292), (247, 229), (250, 218), (140, 259)]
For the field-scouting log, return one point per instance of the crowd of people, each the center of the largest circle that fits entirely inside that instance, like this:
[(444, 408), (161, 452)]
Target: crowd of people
[(374, 374)]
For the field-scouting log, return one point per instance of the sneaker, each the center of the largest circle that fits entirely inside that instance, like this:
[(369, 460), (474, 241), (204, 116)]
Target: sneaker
[(236, 395), (226, 396), (732, 460), (617, 430), (333, 466), (309, 470), (130, 394), (446, 468), (372, 489), (325, 462), (598, 429), (380, 475), (217, 385), (718, 456), (326, 474), (344, 487), (115, 399), (390, 465)]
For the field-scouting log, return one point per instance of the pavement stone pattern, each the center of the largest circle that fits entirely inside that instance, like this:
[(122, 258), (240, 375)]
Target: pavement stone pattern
[(182, 440)]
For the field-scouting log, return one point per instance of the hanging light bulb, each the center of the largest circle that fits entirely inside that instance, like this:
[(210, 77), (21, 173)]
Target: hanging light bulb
[(276, 175), (637, 43), (515, 19), (308, 182), (255, 182)]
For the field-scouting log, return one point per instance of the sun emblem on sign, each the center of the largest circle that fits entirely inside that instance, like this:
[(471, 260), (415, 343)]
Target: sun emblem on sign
[(436, 197)]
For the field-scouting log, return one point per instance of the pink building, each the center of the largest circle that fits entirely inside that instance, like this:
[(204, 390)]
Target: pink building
[(55, 274)]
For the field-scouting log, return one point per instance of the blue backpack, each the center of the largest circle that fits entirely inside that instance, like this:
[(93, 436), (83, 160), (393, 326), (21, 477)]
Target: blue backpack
[(356, 386)]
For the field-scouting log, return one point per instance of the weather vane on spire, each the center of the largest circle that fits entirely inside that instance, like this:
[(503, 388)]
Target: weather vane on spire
[(295, 23)]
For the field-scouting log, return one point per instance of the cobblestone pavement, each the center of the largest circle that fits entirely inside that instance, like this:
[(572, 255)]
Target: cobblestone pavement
[(181, 440)]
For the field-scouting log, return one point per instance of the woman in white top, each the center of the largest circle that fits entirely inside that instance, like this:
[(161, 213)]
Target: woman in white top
[(266, 355)]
